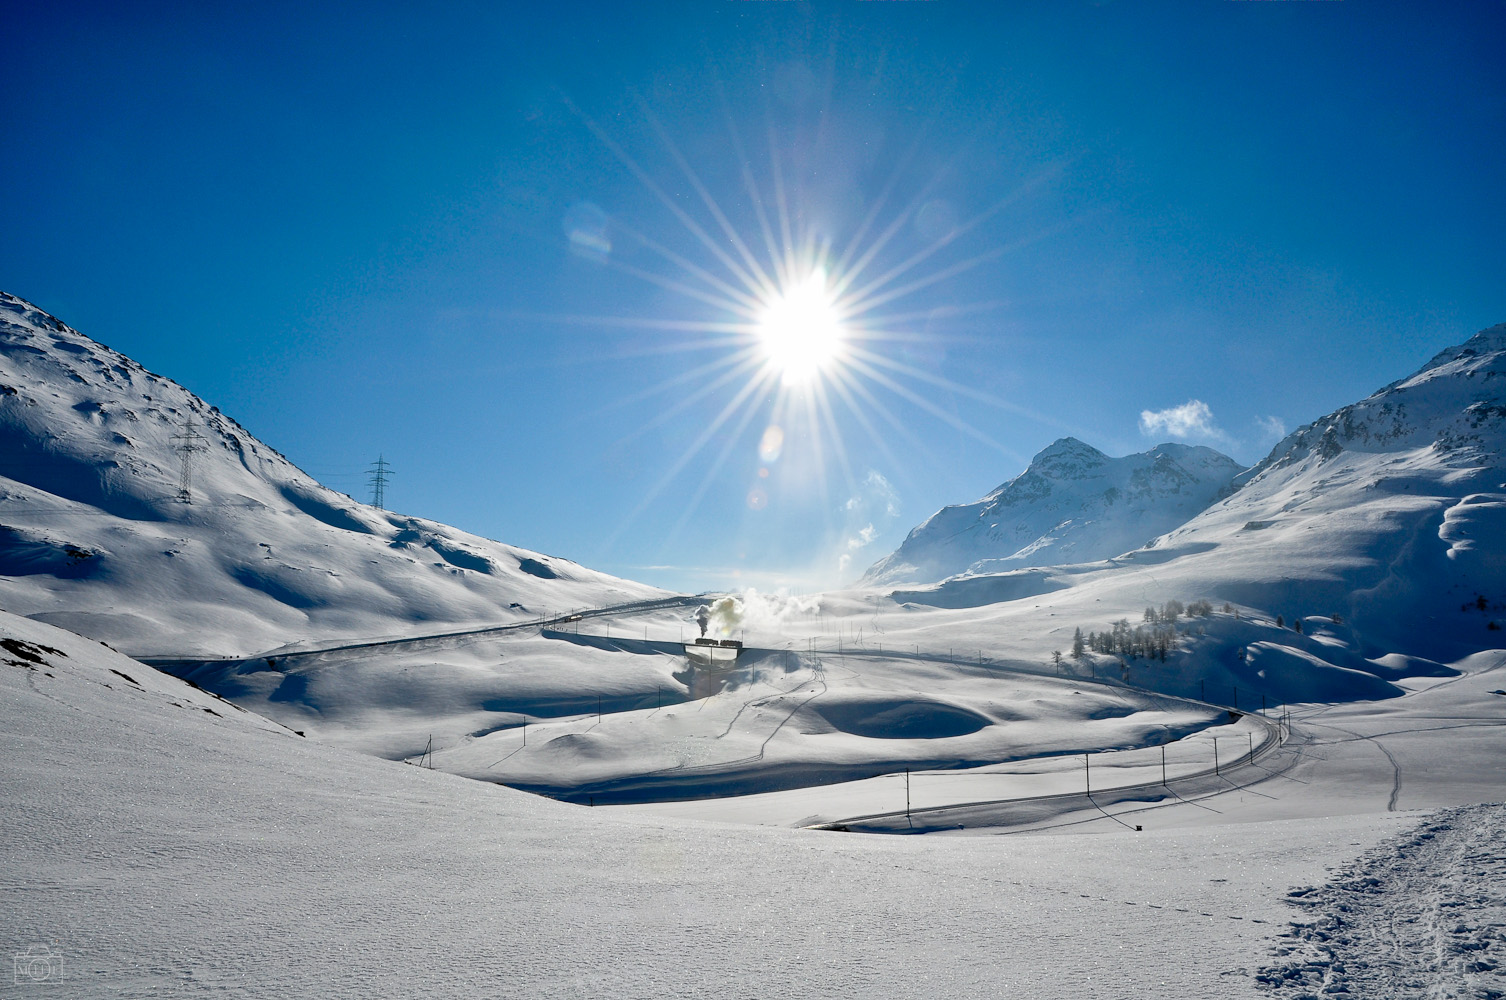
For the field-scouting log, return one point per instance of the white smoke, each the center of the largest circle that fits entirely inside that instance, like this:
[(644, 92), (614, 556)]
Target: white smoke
[(726, 616), (754, 611)]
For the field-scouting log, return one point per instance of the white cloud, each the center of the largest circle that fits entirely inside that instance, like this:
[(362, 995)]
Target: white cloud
[(882, 491), (862, 538), (1192, 419), (875, 498), (867, 513), (1273, 428)]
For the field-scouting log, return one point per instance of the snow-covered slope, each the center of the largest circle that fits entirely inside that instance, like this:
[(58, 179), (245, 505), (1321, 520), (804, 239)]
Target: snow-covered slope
[(1455, 405), (1073, 504), (1390, 511), (94, 537)]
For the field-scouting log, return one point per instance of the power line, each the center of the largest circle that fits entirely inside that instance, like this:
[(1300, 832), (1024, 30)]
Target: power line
[(188, 442), (379, 470)]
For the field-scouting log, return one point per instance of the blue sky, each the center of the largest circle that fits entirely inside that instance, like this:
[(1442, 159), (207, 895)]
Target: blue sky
[(351, 228)]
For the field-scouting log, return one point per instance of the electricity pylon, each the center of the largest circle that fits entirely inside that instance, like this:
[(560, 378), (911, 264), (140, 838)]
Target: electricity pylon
[(186, 443), (379, 470)]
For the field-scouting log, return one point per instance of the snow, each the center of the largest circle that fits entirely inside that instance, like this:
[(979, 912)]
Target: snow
[(164, 851), (1387, 513), (1423, 914)]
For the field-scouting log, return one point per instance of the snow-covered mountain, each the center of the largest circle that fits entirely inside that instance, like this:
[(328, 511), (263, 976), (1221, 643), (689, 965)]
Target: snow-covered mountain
[(94, 536), (1391, 509), (1073, 504), (1389, 513), (1453, 406)]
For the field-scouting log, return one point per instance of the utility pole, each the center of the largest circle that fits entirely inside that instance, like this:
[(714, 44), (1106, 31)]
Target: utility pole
[(186, 443), (380, 471)]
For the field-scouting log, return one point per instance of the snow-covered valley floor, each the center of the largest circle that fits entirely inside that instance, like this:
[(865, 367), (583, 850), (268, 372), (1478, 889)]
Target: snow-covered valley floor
[(159, 842)]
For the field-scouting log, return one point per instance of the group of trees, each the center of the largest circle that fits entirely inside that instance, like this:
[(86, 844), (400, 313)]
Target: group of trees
[(1155, 638), (1169, 612), (1297, 622), (1482, 603), (1150, 641)]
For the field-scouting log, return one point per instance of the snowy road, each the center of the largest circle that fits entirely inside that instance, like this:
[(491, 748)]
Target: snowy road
[(1042, 812), (178, 664)]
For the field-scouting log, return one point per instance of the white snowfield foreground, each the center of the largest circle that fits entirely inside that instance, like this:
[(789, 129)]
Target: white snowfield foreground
[(161, 843)]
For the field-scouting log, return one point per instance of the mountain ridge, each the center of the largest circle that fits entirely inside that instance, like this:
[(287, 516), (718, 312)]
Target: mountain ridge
[(1073, 503), (1382, 417), (95, 537)]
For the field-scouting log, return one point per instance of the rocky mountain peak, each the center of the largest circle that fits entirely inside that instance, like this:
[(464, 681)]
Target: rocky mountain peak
[(1454, 405), (1064, 459), (1073, 504)]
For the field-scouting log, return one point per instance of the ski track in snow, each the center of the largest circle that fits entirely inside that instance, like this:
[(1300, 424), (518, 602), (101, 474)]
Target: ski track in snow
[(1395, 767), (1423, 915)]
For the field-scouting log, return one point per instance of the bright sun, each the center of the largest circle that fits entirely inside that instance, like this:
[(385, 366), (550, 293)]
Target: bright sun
[(801, 330), (798, 327)]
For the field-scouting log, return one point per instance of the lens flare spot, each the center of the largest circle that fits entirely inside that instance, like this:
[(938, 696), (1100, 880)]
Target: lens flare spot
[(771, 444), (586, 227), (757, 499), (801, 330)]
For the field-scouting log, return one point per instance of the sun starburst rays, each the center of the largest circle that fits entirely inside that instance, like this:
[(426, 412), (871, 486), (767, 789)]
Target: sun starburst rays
[(802, 332)]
